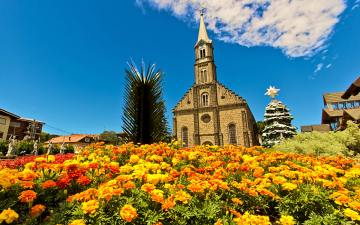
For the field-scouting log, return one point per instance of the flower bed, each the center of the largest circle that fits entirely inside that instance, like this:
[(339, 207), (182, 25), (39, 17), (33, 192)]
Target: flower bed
[(161, 184), (22, 160)]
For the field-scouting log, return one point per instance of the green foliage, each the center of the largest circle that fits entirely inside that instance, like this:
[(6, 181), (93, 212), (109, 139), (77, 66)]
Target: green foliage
[(306, 201), (327, 219), (345, 142), (3, 147), (24, 147), (109, 137), (46, 136), (260, 126), (144, 118)]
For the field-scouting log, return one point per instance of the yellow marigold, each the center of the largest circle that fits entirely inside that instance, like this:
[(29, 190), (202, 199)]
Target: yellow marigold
[(354, 205), (352, 214), (237, 201), (218, 222), (153, 178), (286, 220), (134, 159), (27, 196), (279, 180), (248, 219), (77, 222), (51, 158), (28, 175), (341, 200), (8, 215), (36, 210), (128, 213), (40, 160), (29, 165), (90, 207), (289, 186), (182, 196)]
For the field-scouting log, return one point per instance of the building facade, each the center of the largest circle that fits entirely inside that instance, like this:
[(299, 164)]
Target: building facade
[(210, 113), (337, 110), (339, 107), (12, 125)]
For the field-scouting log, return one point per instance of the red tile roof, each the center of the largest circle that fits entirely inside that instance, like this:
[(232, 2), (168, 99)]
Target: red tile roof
[(71, 138)]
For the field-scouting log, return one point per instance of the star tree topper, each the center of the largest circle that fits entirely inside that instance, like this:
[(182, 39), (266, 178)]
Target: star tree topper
[(272, 92)]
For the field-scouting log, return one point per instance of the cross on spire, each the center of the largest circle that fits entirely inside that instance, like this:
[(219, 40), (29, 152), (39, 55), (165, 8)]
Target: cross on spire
[(202, 11), (202, 28)]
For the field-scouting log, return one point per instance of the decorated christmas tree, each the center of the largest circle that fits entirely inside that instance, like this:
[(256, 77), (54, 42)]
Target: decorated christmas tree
[(277, 120)]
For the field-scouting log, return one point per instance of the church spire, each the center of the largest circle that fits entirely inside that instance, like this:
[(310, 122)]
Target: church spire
[(203, 35), (205, 69)]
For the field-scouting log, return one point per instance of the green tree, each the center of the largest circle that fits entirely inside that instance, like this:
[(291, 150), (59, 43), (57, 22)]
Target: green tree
[(144, 112), (46, 136), (277, 121), (109, 137)]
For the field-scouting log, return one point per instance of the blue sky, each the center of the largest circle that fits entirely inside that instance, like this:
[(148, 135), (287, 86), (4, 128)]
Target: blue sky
[(63, 62)]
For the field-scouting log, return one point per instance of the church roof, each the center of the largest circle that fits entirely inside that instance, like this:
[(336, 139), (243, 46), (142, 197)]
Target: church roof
[(203, 35)]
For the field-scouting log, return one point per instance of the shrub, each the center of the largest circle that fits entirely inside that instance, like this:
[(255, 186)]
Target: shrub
[(345, 142), (3, 147), (24, 147)]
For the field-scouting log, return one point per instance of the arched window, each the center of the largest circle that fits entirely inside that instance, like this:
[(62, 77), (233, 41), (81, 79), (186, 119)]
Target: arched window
[(232, 134), (203, 76), (205, 99), (185, 136), (202, 53)]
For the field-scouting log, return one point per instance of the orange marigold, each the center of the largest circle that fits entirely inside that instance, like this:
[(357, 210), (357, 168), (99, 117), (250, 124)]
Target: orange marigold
[(148, 187), (157, 195), (129, 185), (83, 180), (27, 196), (168, 203), (36, 210), (128, 213), (195, 187), (258, 172), (48, 184)]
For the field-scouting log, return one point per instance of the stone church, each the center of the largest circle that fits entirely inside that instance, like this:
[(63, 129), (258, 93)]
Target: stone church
[(210, 113)]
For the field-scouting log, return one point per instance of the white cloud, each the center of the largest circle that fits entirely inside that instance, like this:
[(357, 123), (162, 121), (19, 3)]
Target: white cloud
[(356, 5), (298, 27), (319, 67), (328, 66)]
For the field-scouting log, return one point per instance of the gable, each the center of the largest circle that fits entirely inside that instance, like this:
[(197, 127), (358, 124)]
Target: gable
[(187, 101), (227, 96)]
